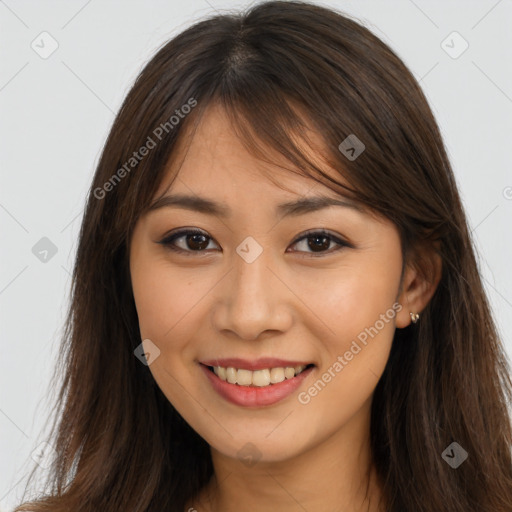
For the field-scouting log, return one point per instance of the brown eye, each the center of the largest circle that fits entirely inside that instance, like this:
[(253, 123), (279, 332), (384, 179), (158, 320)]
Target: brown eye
[(190, 241), (196, 242), (319, 242)]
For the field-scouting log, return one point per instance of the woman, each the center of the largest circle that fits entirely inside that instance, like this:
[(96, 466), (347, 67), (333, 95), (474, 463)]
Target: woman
[(276, 303)]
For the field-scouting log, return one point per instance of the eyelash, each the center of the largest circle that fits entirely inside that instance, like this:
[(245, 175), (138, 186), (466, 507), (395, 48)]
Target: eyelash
[(169, 240)]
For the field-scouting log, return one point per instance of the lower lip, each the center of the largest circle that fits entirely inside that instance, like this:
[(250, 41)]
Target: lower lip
[(253, 396)]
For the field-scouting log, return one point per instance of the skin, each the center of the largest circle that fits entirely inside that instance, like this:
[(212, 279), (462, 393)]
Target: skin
[(291, 303)]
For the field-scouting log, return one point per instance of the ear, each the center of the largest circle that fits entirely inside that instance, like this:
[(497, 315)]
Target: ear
[(419, 283)]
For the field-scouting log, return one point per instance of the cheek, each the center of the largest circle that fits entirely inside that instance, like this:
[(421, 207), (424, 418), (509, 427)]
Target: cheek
[(163, 298), (154, 306), (354, 319), (360, 317), (165, 301), (351, 298)]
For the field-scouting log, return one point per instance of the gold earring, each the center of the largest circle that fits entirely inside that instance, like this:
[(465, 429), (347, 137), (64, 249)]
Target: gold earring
[(414, 317)]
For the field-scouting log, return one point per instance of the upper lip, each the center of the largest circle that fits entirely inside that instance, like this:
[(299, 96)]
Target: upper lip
[(255, 364)]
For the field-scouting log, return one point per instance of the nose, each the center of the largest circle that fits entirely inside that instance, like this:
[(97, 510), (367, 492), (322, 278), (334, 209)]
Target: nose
[(252, 300)]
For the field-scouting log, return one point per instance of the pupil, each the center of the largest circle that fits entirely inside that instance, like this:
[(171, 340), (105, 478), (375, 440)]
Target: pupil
[(197, 243), (315, 246)]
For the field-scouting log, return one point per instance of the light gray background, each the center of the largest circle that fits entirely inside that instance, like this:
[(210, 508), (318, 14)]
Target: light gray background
[(56, 113)]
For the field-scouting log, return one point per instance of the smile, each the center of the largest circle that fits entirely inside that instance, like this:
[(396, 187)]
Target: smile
[(258, 378), (258, 387)]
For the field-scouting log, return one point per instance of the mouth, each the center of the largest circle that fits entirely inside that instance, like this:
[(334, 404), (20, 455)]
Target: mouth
[(257, 378), (260, 387)]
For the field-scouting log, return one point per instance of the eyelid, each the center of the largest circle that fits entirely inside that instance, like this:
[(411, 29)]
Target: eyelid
[(172, 236)]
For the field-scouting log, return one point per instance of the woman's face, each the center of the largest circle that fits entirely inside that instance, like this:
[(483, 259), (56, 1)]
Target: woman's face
[(253, 292)]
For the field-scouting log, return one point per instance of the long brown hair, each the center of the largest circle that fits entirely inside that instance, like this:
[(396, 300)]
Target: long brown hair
[(277, 68)]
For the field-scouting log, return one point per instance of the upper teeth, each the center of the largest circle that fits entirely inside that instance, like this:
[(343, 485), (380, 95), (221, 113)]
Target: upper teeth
[(258, 377)]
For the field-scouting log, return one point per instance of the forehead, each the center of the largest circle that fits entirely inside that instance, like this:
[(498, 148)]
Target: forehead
[(213, 160)]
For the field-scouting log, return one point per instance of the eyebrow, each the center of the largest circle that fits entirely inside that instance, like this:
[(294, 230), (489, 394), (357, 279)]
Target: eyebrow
[(292, 208)]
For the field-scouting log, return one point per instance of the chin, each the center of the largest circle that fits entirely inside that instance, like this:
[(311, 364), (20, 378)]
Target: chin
[(253, 448)]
